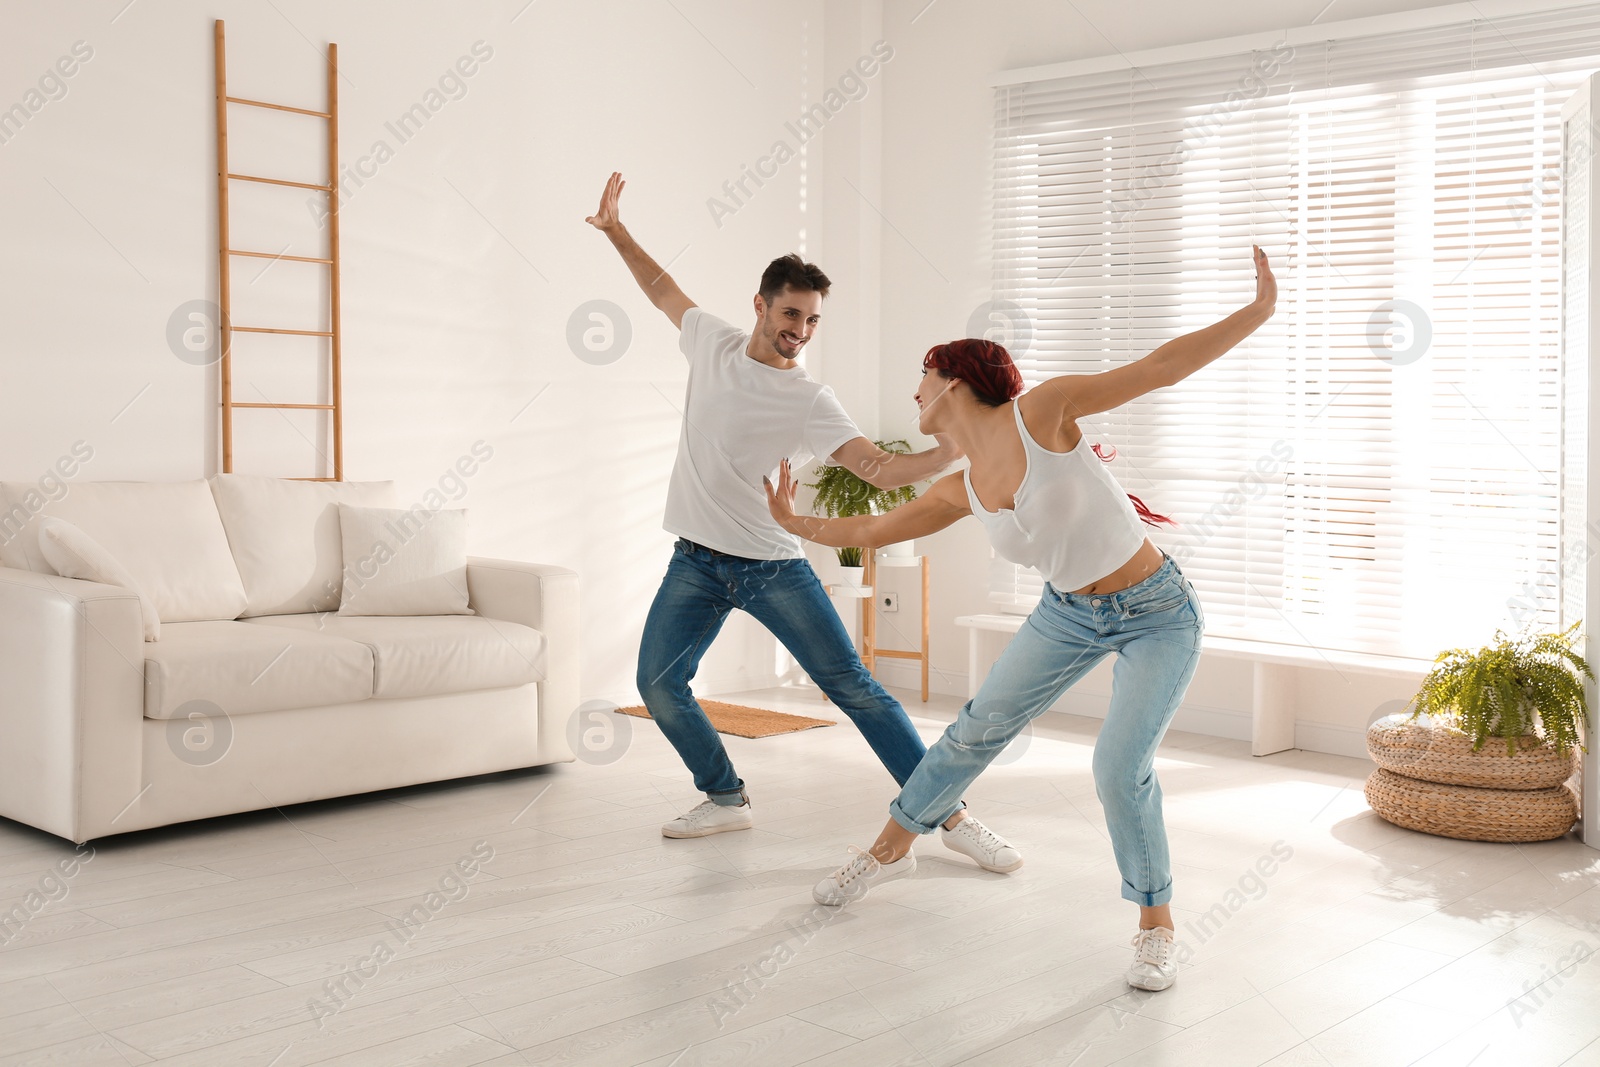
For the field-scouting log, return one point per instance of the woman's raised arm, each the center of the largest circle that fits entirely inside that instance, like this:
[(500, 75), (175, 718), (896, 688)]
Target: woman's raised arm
[(1078, 395)]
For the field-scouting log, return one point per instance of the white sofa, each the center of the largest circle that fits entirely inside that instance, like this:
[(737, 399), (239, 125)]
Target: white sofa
[(257, 693)]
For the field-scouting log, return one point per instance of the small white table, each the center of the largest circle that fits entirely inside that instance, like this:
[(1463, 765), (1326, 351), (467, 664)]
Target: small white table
[(1272, 693)]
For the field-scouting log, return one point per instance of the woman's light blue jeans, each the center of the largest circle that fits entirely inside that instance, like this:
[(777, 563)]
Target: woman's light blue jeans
[(1154, 629)]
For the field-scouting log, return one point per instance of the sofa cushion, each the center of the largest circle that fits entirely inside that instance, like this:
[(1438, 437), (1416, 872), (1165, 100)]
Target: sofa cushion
[(245, 669), (404, 562), (167, 534), (74, 554), (424, 655), (285, 537)]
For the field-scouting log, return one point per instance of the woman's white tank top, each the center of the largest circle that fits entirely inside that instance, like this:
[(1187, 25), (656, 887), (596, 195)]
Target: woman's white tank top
[(1070, 519)]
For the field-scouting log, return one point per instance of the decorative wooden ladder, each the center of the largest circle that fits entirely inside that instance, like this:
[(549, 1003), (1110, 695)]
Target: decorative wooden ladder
[(225, 326)]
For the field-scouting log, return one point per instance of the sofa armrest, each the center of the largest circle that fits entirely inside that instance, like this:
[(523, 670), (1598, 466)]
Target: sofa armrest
[(544, 597), (71, 702)]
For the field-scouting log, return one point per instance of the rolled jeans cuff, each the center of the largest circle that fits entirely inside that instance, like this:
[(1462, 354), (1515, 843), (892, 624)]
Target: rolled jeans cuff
[(907, 823), (1148, 900), (730, 799)]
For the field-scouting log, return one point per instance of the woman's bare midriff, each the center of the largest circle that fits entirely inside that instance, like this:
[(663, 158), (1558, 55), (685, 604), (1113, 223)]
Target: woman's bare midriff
[(1144, 563)]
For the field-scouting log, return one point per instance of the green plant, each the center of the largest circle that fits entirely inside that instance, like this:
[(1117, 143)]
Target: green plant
[(1512, 689), (842, 493)]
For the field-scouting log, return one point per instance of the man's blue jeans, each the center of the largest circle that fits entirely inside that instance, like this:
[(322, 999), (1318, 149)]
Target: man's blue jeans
[(700, 589), (1153, 628)]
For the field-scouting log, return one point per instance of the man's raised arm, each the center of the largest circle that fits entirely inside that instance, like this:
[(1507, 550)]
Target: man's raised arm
[(890, 470), (656, 283)]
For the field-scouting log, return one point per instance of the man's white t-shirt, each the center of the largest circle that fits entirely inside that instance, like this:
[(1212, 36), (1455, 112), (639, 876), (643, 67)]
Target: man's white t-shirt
[(741, 418)]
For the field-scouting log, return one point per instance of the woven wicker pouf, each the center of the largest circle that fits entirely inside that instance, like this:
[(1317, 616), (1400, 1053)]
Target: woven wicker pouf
[(1435, 753), (1472, 813)]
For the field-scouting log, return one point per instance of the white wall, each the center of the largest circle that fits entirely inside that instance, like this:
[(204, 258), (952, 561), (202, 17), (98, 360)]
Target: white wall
[(937, 175), (464, 253)]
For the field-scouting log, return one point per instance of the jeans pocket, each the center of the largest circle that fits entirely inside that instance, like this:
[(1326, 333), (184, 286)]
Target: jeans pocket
[(1170, 597)]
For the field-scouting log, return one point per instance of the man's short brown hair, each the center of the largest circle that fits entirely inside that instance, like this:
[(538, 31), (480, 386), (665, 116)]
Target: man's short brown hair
[(792, 272)]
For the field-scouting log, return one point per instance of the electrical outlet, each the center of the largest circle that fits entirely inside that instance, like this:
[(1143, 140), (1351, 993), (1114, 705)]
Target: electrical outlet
[(889, 601)]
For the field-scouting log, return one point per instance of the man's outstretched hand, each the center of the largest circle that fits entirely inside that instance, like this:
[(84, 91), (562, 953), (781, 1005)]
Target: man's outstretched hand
[(657, 285), (606, 217)]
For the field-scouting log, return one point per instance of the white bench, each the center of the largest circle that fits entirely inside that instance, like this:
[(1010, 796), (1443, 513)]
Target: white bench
[(1272, 711)]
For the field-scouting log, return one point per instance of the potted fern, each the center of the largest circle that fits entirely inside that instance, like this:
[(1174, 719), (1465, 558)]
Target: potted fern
[(1442, 769), (842, 493), (1527, 691)]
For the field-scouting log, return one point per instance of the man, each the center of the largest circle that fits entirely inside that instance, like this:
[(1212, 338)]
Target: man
[(750, 405)]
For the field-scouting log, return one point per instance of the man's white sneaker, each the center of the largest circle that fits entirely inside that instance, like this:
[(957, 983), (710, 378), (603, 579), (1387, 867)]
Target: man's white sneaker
[(1153, 966), (858, 876), (988, 849), (709, 818)]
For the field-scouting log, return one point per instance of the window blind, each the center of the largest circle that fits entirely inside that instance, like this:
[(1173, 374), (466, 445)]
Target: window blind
[(1378, 468)]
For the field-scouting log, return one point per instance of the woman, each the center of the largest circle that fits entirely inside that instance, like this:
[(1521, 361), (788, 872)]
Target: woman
[(1049, 503)]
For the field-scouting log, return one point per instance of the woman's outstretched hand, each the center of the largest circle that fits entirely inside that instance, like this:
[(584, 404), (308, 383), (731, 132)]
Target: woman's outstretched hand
[(780, 498), (1266, 284)]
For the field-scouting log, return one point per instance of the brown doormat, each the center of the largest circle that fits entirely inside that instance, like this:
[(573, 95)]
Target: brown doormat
[(740, 721)]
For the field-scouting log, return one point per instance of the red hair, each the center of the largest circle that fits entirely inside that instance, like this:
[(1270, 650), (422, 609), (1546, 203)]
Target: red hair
[(992, 375), (986, 367)]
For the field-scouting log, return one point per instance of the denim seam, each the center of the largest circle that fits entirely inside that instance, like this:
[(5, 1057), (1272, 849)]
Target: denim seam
[(687, 655), (697, 646), (1144, 834), (689, 651)]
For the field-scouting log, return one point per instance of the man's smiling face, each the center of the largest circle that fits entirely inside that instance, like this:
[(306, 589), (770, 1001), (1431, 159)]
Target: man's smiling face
[(790, 320)]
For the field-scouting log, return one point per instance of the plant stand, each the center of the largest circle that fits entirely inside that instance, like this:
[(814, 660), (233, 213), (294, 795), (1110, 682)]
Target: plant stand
[(868, 594)]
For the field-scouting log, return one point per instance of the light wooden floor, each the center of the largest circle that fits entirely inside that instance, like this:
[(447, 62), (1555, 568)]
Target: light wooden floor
[(588, 939)]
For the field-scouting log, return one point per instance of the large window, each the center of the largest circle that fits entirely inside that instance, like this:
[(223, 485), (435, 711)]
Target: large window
[(1378, 468)]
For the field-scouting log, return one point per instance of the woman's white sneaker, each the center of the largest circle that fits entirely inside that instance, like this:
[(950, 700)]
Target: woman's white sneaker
[(709, 817), (1153, 966), (858, 876), (988, 849)]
